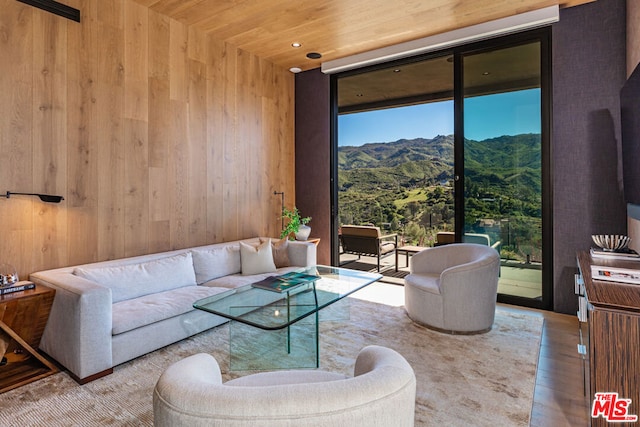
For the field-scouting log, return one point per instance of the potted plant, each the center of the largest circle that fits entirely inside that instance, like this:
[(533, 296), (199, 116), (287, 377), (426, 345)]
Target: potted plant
[(295, 224)]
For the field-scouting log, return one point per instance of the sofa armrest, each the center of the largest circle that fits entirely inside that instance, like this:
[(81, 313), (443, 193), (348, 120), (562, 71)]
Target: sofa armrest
[(78, 332), (302, 254)]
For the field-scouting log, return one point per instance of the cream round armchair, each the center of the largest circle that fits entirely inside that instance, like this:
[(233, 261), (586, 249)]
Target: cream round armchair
[(453, 288), (381, 393)]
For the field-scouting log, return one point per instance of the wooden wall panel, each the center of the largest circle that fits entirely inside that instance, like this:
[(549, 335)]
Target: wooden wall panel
[(215, 139), (82, 151), (231, 162), (197, 162), (158, 136), (49, 103), (110, 134)]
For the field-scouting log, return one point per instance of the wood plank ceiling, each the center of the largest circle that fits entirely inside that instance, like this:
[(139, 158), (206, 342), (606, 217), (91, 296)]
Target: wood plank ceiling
[(334, 28)]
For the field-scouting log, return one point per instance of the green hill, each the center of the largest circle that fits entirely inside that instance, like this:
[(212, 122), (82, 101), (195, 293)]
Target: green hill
[(411, 181)]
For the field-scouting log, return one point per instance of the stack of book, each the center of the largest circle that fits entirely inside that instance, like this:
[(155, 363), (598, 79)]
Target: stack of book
[(621, 255), (615, 274)]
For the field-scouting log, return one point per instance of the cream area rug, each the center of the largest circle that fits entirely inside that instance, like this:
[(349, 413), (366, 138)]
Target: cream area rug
[(478, 380)]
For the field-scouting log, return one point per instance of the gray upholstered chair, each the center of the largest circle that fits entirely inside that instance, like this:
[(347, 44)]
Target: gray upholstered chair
[(453, 288), (381, 393)]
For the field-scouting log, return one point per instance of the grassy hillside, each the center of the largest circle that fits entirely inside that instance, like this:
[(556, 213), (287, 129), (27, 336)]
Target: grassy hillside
[(408, 185)]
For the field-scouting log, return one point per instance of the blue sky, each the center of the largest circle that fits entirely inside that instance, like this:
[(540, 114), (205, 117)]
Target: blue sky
[(510, 113)]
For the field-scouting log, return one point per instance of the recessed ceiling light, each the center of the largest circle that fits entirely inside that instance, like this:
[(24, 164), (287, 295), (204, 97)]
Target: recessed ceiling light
[(296, 44), (486, 73), (295, 70), (314, 55), (397, 70)]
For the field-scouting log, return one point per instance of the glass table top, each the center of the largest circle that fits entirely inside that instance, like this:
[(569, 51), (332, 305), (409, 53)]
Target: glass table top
[(270, 309)]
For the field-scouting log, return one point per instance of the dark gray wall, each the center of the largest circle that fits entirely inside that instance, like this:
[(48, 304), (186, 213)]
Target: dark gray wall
[(313, 156), (588, 72)]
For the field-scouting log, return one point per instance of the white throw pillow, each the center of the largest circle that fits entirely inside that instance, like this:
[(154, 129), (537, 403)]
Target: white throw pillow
[(256, 259), (136, 280), (216, 262)]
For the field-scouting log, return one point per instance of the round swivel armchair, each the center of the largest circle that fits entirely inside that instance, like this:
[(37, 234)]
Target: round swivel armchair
[(453, 288), (382, 392)]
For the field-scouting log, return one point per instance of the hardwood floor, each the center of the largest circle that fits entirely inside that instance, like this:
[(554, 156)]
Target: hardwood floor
[(559, 398)]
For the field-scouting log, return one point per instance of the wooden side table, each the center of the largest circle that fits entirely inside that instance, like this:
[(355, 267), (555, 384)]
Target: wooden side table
[(23, 316), (408, 251)]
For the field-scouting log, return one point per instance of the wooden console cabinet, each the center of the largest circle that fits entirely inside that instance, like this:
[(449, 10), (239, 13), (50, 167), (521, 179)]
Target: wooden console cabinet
[(23, 316), (612, 338)]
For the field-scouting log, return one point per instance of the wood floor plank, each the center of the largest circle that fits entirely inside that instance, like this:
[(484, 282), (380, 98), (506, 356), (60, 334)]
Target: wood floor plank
[(559, 398)]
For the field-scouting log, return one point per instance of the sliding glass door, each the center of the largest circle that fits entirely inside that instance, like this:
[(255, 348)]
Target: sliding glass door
[(482, 178), (503, 158)]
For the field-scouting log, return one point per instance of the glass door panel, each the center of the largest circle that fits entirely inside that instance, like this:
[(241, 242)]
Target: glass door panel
[(503, 162), (395, 153)]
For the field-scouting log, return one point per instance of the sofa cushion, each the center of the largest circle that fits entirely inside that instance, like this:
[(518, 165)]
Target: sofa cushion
[(216, 262), (136, 280), (256, 259), (138, 312)]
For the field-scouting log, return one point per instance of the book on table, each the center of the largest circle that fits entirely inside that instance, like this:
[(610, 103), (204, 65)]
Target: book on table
[(285, 282), (615, 274), (18, 287), (622, 255)]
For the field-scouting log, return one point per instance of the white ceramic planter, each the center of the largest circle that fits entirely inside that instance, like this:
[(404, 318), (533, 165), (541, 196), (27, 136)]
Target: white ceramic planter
[(303, 232)]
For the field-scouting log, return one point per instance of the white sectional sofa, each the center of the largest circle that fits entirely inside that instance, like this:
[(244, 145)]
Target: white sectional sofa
[(107, 313)]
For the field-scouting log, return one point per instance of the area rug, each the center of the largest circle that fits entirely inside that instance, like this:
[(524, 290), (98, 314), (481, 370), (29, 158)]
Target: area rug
[(478, 380)]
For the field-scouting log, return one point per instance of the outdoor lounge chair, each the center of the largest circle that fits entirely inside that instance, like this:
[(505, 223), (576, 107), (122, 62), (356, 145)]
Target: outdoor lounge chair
[(367, 240)]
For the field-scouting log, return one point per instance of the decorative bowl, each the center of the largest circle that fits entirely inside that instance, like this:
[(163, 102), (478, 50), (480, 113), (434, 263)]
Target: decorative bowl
[(8, 275), (611, 242)]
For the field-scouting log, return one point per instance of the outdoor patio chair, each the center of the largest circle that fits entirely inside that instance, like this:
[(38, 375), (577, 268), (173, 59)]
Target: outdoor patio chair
[(367, 240)]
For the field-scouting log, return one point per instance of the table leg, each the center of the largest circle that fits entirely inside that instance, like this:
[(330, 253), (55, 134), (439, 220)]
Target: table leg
[(288, 327), (396, 259), (5, 339)]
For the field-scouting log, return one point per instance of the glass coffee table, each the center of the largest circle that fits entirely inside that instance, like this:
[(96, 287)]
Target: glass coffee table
[(273, 329)]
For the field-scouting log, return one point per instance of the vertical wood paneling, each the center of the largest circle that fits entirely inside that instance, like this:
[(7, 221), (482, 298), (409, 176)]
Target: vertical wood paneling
[(49, 135), (215, 140), (197, 168), (231, 164), (136, 147), (110, 138), (82, 152), (245, 158), (136, 201), (16, 132), (159, 132), (158, 136)]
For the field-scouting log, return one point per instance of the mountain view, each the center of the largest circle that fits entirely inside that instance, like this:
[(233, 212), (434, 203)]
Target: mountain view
[(406, 186)]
